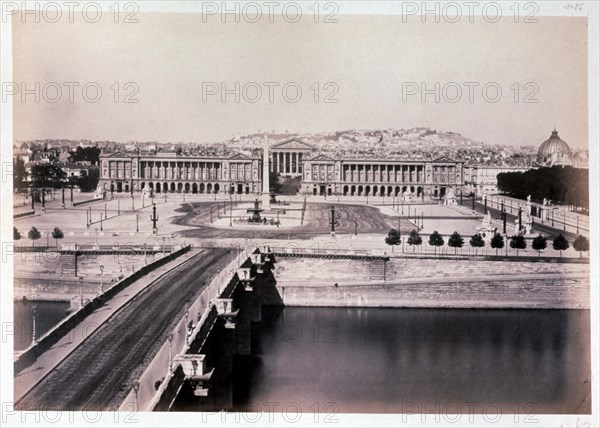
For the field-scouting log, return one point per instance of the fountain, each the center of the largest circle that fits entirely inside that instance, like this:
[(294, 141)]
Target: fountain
[(256, 218)]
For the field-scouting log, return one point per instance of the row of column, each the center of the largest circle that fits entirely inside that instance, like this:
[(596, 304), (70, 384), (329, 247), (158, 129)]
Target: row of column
[(119, 169), (197, 170), (286, 162), (443, 174), (384, 173), (240, 171)]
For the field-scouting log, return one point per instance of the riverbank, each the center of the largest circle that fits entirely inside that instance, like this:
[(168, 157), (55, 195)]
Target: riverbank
[(427, 284)]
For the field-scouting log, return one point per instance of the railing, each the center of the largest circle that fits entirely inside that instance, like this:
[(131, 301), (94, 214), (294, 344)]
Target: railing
[(148, 395)]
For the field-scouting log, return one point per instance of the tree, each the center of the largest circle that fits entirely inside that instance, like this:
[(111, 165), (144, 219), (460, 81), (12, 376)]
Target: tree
[(47, 175), (90, 154), (456, 241), (539, 244), (560, 243), (16, 234), (88, 181), (497, 242), (414, 239), (518, 242), (436, 240), (393, 238), (34, 235), (19, 175), (476, 242), (580, 244), (57, 234)]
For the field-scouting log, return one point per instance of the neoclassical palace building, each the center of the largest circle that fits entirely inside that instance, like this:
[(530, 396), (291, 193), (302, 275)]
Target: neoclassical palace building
[(176, 173), (321, 174)]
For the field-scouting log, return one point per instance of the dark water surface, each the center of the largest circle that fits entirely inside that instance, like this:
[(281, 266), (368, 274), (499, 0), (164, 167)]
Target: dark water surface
[(390, 360), (48, 315)]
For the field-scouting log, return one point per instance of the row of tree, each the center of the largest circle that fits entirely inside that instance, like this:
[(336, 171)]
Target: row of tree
[(48, 175), (562, 184), (517, 242), (34, 234)]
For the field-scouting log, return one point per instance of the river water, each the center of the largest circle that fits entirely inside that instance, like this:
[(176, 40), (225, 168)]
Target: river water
[(48, 315), (345, 360)]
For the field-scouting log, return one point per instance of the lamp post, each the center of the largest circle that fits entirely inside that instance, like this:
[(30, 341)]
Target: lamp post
[(355, 227), (145, 254), (163, 245), (81, 291), (170, 337), (187, 340), (503, 218), (101, 226), (102, 278), (137, 223), (230, 210), (136, 388), (34, 313)]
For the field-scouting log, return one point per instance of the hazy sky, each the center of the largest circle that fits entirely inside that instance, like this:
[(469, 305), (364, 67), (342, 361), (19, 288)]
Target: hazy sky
[(369, 58)]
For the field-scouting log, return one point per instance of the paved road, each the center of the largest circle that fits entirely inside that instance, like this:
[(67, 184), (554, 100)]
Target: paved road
[(369, 220), (99, 373)]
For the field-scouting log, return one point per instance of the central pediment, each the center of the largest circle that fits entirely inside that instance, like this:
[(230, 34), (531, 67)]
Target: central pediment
[(293, 144)]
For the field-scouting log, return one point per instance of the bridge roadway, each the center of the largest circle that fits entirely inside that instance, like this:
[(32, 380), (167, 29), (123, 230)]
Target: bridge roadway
[(99, 374)]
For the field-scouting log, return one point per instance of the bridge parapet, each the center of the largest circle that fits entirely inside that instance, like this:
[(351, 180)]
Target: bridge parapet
[(196, 372), (213, 302)]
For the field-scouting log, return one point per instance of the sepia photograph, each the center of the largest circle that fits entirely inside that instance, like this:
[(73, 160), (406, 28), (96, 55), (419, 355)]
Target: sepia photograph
[(328, 213)]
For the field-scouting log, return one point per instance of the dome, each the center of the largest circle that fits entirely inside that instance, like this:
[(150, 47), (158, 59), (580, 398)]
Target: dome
[(554, 151)]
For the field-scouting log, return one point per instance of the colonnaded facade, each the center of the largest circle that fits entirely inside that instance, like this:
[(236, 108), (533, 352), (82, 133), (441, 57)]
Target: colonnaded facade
[(321, 174)]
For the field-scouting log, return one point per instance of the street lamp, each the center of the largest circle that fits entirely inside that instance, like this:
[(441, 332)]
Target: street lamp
[(170, 337), (34, 313), (136, 388), (187, 314), (102, 278), (81, 291)]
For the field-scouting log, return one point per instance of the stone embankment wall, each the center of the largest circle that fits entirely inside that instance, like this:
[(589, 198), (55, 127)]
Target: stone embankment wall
[(432, 283)]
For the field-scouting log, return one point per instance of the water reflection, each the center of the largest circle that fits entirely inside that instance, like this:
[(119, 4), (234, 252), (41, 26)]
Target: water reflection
[(48, 315), (384, 360)]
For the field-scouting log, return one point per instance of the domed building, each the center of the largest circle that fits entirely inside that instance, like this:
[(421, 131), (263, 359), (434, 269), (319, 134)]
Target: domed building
[(554, 151)]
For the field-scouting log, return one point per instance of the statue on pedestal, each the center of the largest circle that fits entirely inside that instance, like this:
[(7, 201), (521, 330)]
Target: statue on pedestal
[(526, 223), (450, 198), (486, 229)]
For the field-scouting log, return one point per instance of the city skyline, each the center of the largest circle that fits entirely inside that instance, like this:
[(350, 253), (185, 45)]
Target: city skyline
[(370, 78)]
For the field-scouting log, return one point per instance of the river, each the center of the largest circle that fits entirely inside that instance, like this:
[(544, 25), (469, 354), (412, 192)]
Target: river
[(48, 315), (334, 360)]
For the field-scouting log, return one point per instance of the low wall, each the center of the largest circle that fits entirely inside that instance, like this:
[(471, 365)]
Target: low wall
[(420, 282), (87, 201), (24, 214), (524, 293), (29, 355)]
